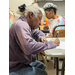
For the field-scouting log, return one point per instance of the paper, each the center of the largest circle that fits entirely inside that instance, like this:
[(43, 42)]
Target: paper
[(56, 53), (61, 46)]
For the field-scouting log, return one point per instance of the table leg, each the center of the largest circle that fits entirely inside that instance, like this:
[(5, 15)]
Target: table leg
[(57, 66), (63, 66)]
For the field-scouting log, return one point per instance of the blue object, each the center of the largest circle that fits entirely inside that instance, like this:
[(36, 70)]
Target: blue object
[(57, 33), (38, 68), (10, 23)]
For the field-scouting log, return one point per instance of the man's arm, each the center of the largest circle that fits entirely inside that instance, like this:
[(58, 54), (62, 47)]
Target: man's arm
[(38, 34), (27, 43), (11, 18)]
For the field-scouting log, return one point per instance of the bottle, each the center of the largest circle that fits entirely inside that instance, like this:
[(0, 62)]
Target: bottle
[(46, 21)]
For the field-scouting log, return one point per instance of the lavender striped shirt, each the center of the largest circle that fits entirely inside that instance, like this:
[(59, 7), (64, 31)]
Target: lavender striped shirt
[(22, 47)]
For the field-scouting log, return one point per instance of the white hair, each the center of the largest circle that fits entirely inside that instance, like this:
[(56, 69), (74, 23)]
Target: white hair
[(31, 8)]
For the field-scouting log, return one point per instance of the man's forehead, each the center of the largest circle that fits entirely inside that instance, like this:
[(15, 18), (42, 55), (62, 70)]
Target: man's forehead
[(46, 11), (40, 14)]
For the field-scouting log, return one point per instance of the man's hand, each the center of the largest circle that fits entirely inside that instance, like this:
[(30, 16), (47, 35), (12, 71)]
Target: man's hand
[(11, 12), (42, 39), (56, 41), (46, 28), (12, 17)]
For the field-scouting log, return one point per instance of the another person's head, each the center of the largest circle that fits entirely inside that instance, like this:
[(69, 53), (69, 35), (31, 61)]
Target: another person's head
[(50, 10), (35, 4), (32, 13)]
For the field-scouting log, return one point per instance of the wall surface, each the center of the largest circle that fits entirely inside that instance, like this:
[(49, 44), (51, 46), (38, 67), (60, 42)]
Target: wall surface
[(13, 4)]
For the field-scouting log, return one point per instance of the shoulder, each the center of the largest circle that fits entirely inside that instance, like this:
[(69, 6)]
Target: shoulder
[(61, 20), (21, 24)]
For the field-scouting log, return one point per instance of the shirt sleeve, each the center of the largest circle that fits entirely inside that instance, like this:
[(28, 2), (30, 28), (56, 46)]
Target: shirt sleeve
[(63, 22), (37, 34), (10, 23), (27, 43)]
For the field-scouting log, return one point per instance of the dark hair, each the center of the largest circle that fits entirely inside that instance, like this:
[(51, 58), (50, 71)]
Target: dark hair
[(48, 9), (22, 7)]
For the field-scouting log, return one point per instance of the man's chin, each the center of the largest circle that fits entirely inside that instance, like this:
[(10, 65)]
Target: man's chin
[(35, 27)]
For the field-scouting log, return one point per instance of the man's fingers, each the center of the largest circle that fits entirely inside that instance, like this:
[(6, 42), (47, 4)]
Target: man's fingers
[(43, 39)]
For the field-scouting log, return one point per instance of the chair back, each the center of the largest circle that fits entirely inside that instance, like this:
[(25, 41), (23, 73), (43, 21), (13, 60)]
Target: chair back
[(61, 31)]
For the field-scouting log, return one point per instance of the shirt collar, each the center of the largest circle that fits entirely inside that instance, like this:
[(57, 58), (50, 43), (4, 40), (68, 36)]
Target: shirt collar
[(23, 18)]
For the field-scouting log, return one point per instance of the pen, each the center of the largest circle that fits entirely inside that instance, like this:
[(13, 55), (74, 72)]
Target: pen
[(57, 34)]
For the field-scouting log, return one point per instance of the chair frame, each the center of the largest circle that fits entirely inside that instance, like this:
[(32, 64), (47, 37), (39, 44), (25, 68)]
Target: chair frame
[(55, 28)]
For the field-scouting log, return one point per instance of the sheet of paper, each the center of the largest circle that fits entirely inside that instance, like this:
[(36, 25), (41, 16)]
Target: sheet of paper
[(56, 53), (61, 46)]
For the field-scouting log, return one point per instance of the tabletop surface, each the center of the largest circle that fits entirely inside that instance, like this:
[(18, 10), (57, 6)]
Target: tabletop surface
[(56, 52)]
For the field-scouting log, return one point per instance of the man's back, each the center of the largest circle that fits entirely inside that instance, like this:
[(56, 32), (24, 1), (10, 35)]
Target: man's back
[(17, 58)]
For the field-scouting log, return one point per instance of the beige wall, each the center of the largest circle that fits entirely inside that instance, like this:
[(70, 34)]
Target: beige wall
[(13, 4)]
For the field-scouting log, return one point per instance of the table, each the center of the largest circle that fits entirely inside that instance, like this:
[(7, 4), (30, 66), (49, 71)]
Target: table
[(56, 53)]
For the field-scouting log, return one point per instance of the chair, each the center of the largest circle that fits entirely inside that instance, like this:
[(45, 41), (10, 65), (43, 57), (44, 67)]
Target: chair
[(42, 53), (61, 31), (45, 31)]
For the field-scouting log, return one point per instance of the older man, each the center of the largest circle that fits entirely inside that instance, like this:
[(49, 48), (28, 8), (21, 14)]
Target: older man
[(23, 43)]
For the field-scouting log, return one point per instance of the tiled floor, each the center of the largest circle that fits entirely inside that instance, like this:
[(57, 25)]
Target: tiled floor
[(50, 66)]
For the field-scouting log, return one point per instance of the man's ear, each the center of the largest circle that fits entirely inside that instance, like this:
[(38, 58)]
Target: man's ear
[(31, 15)]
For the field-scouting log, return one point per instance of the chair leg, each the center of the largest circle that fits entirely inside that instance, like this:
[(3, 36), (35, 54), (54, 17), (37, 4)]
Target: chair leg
[(57, 66), (63, 66), (43, 59), (51, 58), (46, 62), (54, 62)]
